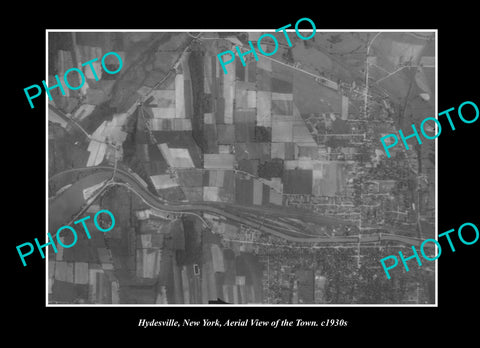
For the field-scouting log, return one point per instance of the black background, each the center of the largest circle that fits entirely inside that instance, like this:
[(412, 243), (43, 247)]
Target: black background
[(458, 72)]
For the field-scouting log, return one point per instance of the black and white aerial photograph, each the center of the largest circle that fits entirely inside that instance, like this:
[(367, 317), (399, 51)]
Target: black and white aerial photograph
[(241, 167)]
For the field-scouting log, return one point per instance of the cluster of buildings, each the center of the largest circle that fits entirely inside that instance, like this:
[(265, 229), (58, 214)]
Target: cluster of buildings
[(250, 121), (290, 279)]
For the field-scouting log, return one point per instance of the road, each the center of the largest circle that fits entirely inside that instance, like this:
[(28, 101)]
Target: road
[(366, 74), (297, 68), (240, 214), (245, 49)]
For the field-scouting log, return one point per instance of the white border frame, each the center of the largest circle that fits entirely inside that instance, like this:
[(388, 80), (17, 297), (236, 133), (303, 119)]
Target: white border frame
[(241, 305)]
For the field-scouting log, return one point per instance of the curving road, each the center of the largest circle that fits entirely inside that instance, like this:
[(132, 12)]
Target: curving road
[(242, 214)]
